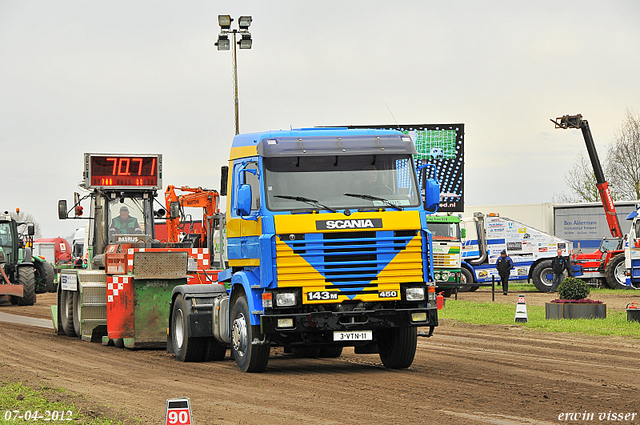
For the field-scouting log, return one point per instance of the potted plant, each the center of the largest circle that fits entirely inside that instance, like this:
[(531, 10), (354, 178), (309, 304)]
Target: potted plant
[(573, 302)]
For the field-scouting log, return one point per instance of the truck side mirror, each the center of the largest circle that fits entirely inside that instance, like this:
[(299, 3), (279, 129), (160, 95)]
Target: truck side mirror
[(174, 210), (244, 200), (31, 230), (224, 177), (62, 209), (432, 195)]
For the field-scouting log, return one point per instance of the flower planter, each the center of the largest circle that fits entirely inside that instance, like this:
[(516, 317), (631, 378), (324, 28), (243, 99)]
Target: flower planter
[(575, 311)]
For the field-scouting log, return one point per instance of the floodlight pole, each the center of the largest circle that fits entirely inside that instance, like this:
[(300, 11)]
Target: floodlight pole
[(235, 82), (225, 29)]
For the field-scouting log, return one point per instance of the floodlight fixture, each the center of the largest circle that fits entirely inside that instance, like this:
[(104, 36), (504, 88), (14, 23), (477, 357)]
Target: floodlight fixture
[(244, 22), (223, 43), (225, 21), (245, 42)]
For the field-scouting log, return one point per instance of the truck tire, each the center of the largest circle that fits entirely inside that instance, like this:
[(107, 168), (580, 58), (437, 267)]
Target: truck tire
[(249, 357), (466, 278), (543, 276), (214, 350), (397, 347), (185, 348), (77, 306), (66, 312), (615, 276), (330, 352), (306, 352), (27, 278)]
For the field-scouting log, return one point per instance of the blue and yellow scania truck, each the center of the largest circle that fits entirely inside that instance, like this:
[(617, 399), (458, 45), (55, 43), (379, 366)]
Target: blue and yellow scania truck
[(327, 247)]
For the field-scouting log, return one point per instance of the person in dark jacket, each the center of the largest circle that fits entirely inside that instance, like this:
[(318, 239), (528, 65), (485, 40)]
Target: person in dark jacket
[(504, 266), (559, 264)]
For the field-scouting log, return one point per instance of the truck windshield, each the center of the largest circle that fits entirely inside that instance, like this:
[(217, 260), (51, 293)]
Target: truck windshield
[(444, 231), (326, 179)]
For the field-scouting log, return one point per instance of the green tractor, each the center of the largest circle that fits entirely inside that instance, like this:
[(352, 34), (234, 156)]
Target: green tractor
[(22, 275)]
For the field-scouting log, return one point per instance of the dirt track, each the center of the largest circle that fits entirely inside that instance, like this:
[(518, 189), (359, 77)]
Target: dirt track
[(464, 374)]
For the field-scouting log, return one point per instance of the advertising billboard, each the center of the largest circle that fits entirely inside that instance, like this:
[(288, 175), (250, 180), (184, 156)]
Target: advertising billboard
[(443, 146)]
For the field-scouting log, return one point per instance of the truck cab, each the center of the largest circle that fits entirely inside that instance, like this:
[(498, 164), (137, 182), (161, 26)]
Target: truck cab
[(327, 245), (447, 244)]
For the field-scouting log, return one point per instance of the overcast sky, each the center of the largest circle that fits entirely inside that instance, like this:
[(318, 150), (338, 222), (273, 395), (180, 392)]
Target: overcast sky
[(144, 77)]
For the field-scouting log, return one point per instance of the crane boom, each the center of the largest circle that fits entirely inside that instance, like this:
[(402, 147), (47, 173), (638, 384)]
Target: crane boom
[(576, 121)]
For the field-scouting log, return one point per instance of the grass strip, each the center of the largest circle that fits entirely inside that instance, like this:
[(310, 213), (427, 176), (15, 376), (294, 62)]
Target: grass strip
[(474, 313), (51, 405)]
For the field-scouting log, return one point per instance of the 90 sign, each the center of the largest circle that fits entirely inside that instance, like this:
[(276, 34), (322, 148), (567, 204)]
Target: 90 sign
[(124, 171)]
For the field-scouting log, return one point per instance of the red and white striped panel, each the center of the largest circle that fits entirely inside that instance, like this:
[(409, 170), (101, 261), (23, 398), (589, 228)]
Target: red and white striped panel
[(201, 255)]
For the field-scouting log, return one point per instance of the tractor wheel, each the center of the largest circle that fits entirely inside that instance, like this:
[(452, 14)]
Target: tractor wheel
[(118, 343), (615, 276), (330, 352), (397, 347), (45, 277), (27, 278), (466, 278), (186, 349), (49, 278), (248, 357), (543, 276), (66, 312), (77, 307)]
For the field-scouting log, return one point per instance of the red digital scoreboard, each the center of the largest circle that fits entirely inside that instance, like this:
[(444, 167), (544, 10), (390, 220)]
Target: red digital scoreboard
[(123, 171)]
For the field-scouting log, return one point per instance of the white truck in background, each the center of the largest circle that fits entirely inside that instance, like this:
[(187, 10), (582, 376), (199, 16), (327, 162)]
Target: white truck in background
[(530, 249)]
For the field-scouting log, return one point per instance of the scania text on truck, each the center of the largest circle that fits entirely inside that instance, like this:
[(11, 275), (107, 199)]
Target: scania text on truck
[(328, 246)]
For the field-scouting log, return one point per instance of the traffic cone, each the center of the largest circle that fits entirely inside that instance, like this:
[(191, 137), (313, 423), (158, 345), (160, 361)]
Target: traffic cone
[(521, 309)]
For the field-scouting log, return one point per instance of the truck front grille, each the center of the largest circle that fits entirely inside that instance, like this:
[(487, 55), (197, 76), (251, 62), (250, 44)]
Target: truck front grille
[(351, 262)]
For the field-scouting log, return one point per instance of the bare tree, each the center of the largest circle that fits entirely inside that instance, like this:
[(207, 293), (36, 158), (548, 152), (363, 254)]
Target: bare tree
[(623, 158), (27, 218), (581, 181)]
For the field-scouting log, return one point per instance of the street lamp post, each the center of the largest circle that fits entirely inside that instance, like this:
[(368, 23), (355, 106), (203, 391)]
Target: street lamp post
[(223, 43)]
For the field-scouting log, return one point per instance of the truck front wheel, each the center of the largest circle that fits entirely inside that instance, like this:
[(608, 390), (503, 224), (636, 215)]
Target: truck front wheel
[(615, 276), (185, 348), (397, 347), (248, 357), (543, 276), (466, 279)]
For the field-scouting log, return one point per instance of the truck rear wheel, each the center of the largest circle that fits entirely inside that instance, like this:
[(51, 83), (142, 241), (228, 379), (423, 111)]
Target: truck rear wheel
[(543, 276), (186, 349), (27, 278), (214, 350), (330, 352), (615, 276), (466, 278), (248, 357), (306, 352), (66, 312), (397, 347)]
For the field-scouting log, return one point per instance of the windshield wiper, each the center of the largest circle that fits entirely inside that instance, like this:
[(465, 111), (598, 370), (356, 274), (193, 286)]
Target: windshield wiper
[(306, 200), (373, 198)]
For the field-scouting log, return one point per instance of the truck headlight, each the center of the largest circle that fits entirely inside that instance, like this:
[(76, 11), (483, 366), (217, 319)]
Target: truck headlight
[(286, 299), (415, 294), (445, 275)]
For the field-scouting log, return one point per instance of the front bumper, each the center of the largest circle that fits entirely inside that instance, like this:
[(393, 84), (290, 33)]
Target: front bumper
[(327, 321)]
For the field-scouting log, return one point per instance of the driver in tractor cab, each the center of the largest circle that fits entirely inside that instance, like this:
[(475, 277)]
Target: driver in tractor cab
[(124, 223)]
